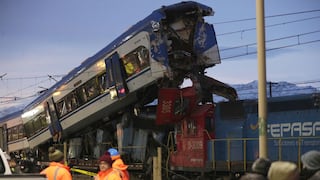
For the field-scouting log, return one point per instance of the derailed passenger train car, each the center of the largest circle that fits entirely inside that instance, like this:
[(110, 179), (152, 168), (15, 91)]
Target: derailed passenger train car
[(169, 45), (93, 105)]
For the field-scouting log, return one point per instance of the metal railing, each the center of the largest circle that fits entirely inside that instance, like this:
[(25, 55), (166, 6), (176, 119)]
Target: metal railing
[(295, 144)]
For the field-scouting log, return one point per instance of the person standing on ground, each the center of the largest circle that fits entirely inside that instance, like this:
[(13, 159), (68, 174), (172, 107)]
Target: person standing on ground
[(106, 171), (56, 170), (118, 164)]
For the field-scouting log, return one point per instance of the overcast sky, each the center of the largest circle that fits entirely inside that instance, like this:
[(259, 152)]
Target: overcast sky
[(44, 37)]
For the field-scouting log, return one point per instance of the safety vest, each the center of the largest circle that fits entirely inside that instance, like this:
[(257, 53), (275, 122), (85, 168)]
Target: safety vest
[(57, 171), (110, 174)]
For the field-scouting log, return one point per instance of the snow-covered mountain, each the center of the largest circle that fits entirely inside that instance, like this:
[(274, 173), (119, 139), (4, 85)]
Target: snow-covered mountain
[(245, 91), (250, 90)]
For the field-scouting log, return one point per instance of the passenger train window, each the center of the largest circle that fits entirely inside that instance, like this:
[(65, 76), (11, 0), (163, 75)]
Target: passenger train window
[(37, 124), (14, 132), (67, 99), (102, 82), (81, 95), (74, 100), (44, 121), (61, 108), (136, 60), (21, 133), (29, 128), (9, 131), (91, 89)]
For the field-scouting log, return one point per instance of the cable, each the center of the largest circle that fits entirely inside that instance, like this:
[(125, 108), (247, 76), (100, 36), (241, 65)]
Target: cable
[(272, 40), (270, 49), (30, 86), (271, 25), (18, 99), (272, 16)]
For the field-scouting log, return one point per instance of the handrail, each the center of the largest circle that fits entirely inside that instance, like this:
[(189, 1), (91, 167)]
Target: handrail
[(170, 146), (298, 147)]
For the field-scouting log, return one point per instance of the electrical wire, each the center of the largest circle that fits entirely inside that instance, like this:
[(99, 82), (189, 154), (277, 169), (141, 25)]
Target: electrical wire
[(271, 16), (298, 36), (268, 26)]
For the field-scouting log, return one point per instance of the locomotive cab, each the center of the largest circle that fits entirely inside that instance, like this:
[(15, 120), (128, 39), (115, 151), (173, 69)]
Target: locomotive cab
[(192, 135)]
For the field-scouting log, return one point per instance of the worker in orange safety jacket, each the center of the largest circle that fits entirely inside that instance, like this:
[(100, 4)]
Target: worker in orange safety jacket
[(106, 171), (56, 170), (118, 164)]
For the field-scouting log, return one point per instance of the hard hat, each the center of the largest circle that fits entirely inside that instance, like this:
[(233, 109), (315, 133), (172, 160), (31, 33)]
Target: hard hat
[(113, 152)]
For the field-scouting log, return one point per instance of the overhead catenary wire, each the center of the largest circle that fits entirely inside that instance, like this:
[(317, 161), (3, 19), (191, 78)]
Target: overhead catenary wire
[(271, 16), (27, 87), (298, 36), (272, 40), (268, 26), (230, 58)]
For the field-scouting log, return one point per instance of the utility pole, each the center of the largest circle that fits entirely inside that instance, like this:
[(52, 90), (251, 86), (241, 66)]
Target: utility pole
[(270, 88), (262, 94)]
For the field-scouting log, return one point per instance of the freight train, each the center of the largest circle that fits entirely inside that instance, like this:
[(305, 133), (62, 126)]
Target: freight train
[(129, 96), (223, 138)]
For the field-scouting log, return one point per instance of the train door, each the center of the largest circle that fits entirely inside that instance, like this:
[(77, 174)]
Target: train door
[(115, 77), (54, 126)]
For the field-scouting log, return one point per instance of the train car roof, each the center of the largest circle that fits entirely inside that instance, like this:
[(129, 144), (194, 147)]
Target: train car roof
[(156, 16), (287, 103), (238, 109)]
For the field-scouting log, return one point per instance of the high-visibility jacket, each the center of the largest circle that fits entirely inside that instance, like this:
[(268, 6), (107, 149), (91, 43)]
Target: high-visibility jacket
[(57, 171), (109, 174), (121, 167)]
